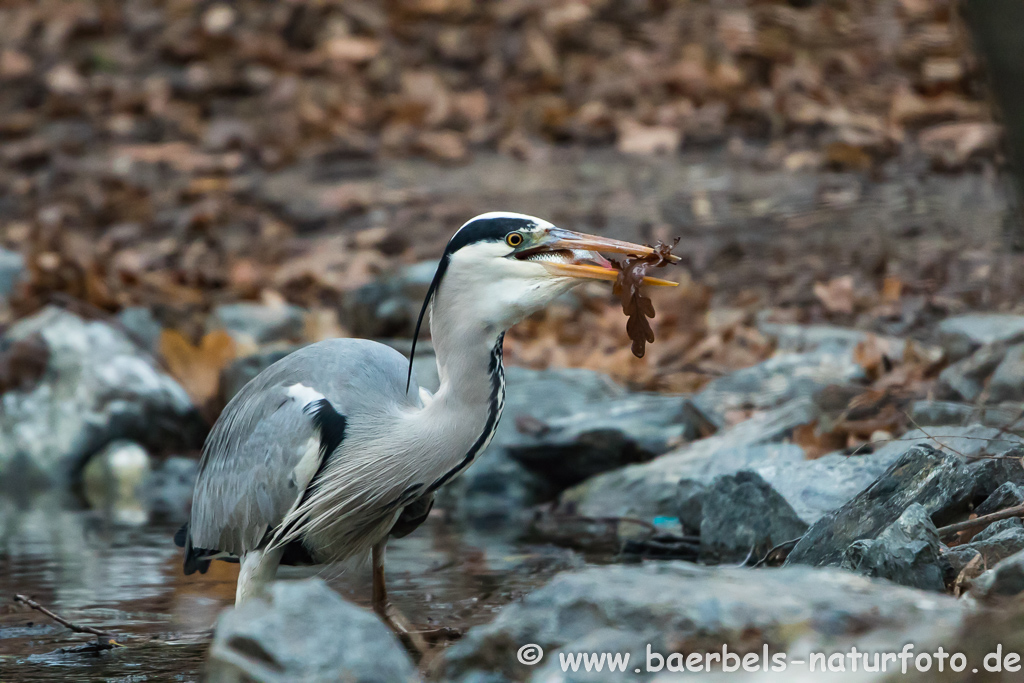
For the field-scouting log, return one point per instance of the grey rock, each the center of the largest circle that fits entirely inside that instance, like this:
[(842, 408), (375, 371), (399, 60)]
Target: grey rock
[(994, 543), (97, 387), (965, 379), (142, 326), (743, 514), (304, 631), (604, 435), (998, 528), (12, 269), (388, 307), (814, 488), (991, 473), (907, 552), (793, 338), (497, 489), (961, 335), (937, 480), (1005, 580), (259, 323), (650, 489), (1007, 495), (621, 608), (777, 381), (1007, 382)]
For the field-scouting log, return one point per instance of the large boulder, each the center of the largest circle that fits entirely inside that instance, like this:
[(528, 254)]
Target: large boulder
[(304, 631), (603, 435), (680, 607), (939, 481), (651, 489), (92, 386)]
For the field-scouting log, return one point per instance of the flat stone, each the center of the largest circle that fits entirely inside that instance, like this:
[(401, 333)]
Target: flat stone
[(906, 552), (304, 631), (142, 326)]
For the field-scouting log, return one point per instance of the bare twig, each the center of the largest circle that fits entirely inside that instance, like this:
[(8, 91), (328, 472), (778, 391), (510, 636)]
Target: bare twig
[(29, 602), (984, 520)]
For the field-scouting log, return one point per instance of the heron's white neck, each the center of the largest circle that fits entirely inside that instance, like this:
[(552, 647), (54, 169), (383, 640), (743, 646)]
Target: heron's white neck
[(465, 352)]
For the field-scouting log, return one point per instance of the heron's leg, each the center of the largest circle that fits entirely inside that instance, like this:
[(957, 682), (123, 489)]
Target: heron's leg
[(257, 568), (394, 620)]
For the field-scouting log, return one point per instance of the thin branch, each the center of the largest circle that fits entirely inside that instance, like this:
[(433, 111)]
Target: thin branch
[(29, 602), (984, 520)]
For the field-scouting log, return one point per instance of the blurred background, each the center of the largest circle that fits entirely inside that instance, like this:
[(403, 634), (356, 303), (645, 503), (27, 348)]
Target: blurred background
[(190, 189)]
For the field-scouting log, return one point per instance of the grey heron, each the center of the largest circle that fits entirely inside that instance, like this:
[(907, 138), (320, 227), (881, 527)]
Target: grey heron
[(333, 449)]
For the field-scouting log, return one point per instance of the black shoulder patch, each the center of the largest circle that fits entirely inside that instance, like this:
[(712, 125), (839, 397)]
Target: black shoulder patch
[(331, 425)]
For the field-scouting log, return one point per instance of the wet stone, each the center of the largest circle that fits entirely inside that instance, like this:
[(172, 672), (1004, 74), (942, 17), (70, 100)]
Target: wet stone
[(625, 608), (305, 631)]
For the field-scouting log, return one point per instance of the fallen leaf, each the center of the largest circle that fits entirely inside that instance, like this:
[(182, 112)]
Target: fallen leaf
[(837, 295), (198, 368)]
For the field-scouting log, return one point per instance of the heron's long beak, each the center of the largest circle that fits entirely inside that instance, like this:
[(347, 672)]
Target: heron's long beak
[(589, 247)]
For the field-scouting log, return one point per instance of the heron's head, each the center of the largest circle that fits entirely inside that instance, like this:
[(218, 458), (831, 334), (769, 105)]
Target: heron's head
[(500, 267)]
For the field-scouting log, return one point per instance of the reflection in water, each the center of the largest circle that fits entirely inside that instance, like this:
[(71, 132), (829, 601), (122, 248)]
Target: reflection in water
[(99, 571)]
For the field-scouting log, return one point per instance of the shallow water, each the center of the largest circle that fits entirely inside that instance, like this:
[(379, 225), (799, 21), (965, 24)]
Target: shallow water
[(122, 573)]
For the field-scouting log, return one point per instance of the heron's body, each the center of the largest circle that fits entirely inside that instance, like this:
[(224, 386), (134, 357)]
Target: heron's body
[(330, 450)]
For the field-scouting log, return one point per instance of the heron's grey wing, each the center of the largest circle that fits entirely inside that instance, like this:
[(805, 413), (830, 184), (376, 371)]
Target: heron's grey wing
[(272, 437)]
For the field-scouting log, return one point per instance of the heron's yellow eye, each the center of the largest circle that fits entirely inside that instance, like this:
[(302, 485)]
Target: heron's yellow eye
[(513, 239)]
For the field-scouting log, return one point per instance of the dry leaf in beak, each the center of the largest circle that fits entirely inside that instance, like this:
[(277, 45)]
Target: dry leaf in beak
[(637, 306)]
